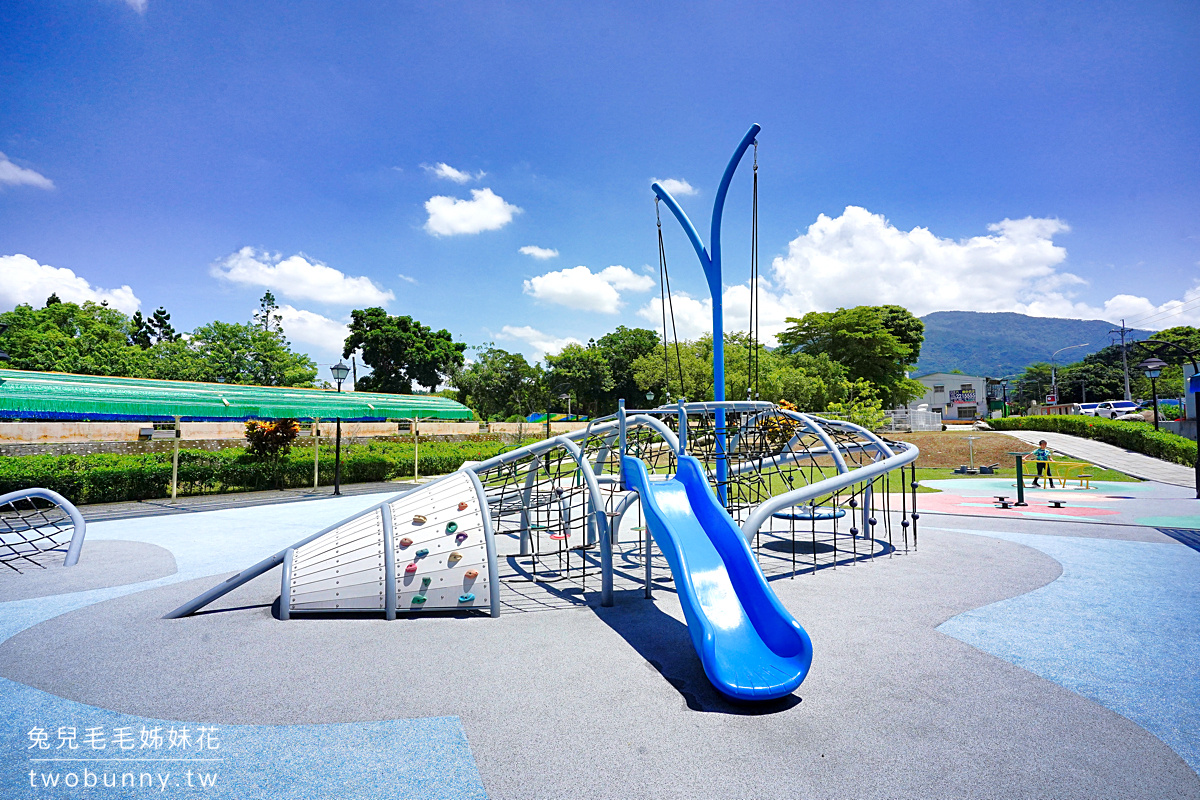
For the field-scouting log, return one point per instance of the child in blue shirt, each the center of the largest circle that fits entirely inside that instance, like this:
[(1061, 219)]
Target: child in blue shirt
[(1043, 456)]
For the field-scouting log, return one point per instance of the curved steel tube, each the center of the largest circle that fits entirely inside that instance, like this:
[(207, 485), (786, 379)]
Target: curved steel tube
[(840, 481), (76, 545)]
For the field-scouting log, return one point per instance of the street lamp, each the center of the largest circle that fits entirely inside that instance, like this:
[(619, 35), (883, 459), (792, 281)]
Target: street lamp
[(650, 397), (340, 371), (1152, 366), (1054, 368), (1156, 344), (566, 396)]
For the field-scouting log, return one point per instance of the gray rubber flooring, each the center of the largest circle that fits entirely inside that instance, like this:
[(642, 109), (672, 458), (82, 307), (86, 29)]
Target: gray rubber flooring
[(101, 564), (606, 703)]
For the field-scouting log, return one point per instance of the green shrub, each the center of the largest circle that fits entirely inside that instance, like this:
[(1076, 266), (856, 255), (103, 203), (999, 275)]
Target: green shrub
[(1137, 436), (110, 477)]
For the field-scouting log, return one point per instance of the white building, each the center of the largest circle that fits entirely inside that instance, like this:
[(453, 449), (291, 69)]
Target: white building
[(954, 396)]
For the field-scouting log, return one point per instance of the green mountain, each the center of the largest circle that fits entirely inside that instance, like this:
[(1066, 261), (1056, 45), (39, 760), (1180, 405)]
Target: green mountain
[(997, 344)]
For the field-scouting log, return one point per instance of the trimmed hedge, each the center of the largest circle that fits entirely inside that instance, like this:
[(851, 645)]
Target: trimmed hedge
[(111, 478), (1137, 436)]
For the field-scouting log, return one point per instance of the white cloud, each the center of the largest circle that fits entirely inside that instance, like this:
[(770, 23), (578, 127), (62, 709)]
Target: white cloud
[(24, 280), (138, 5), (444, 170), (309, 327), (406, 278), (860, 258), (540, 253), (543, 343), (485, 211), (580, 288), (299, 278), (12, 175), (677, 188)]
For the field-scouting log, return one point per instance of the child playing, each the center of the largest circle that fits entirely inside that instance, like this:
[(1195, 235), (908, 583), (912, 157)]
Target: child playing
[(1043, 456)]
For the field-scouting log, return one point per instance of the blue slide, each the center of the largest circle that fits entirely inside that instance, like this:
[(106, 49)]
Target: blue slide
[(750, 646)]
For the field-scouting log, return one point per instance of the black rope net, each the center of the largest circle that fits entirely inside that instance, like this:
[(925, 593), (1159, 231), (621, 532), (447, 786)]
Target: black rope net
[(31, 527)]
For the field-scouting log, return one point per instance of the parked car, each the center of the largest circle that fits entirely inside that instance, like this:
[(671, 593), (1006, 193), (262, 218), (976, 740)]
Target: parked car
[(1109, 409)]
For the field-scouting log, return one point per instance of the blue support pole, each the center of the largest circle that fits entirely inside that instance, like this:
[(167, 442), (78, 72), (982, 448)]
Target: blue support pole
[(710, 262)]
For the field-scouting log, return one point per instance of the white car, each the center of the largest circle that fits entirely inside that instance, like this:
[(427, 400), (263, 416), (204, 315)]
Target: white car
[(1109, 409)]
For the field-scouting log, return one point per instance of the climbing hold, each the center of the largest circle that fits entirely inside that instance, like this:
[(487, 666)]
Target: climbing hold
[(419, 519), (873, 521), (472, 573), (405, 542), (853, 503), (418, 598), (462, 506), (455, 556), (914, 484), (903, 523), (426, 581), (462, 537), (424, 551), (915, 515), (451, 527), (466, 598), (411, 568)]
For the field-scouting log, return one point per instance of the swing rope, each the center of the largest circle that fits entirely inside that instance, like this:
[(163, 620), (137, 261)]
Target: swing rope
[(752, 361), (664, 285)]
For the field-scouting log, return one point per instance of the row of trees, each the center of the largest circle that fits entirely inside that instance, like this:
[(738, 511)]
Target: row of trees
[(1100, 375), (823, 359), (94, 339)]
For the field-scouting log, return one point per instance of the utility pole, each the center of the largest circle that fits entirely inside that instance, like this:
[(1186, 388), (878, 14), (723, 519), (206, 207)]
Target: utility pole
[(1124, 360)]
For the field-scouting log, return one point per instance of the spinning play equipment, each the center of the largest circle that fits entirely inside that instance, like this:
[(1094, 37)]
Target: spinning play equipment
[(708, 479)]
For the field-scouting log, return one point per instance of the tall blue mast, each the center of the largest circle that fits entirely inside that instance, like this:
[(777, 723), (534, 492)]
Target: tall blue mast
[(710, 262)]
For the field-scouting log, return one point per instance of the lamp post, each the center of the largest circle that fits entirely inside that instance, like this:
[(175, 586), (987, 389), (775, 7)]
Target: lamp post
[(1152, 366), (1191, 355), (1054, 368), (566, 396), (650, 398), (340, 371)]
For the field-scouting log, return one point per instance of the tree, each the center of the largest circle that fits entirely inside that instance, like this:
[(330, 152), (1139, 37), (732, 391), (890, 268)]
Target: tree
[(269, 442), (499, 384), (581, 371), (160, 326), (401, 351), (909, 330), (52, 299), (245, 353), (861, 339), (268, 315), (621, 349), (139, 331)]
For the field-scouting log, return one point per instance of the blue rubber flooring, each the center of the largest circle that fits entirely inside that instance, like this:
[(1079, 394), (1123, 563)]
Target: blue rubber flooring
[(1120, 626), (425, 758)]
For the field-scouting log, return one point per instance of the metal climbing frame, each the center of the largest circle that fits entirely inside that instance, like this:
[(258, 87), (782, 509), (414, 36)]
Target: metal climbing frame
[(35, 521)]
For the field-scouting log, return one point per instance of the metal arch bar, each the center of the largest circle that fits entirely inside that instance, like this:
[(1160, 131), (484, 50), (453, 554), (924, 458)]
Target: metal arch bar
[(489, 541), (76, 545), (285, 585), (598, 519), (880, 444), (841, 481), (821, 434), (389, 563)]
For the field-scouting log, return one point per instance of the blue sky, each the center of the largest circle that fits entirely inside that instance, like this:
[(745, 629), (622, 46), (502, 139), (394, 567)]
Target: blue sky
[(1031, 157)]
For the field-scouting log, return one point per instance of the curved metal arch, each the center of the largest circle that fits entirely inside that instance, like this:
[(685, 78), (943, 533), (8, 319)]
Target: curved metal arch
[(77, 521)]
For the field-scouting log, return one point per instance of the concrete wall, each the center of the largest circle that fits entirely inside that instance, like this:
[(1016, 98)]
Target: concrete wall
[(1186, 427)]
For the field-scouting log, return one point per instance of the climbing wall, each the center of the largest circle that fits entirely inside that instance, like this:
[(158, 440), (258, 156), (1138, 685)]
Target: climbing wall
[(441, 554), (439, 548), (342, 570)]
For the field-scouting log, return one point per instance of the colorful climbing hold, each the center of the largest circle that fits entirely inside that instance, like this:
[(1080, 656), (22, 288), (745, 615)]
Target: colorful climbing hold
[(451, 527), (426, 581), (472, 573), (462, 537), (411, 568), (418, 598), (462, 506), (466, 598), (424, 551), (455, 556), (419, 519), (405, 542)]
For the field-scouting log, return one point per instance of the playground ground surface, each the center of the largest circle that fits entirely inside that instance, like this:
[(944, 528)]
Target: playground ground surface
[(1031, 652)]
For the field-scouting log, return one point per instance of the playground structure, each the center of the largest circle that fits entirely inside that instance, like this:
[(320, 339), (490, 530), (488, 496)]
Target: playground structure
[(38, 521), (708, 480)]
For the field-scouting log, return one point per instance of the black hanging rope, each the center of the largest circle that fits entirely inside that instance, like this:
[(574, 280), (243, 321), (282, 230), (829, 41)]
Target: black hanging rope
[(664, 285), (755, 305)]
